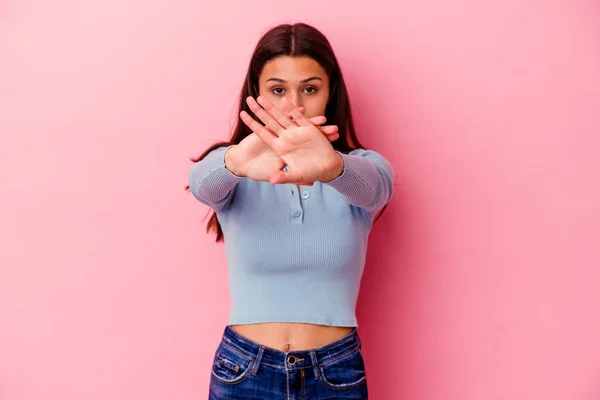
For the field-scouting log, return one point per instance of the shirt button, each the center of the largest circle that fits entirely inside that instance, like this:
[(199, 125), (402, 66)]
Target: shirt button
[(297, 214), (305, 195)]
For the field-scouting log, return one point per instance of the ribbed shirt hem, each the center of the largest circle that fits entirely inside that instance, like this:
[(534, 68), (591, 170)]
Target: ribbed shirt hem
[(308, 320)]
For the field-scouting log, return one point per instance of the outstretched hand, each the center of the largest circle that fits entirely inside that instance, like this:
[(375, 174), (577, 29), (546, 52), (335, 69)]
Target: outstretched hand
[(300, 144)]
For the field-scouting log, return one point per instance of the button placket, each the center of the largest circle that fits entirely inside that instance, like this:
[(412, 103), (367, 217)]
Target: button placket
[(295, 206)]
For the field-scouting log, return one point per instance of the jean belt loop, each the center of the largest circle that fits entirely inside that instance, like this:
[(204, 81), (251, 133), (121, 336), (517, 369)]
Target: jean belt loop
[(358, 339), (261, 350), (315, 364)]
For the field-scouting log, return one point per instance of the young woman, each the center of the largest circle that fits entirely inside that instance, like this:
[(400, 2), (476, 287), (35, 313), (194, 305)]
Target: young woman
[(294, 202)]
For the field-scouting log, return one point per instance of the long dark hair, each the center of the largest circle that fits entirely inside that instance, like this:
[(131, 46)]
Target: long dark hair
[(294, 40)]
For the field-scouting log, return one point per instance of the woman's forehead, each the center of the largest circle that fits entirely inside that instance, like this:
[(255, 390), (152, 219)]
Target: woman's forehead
[(292, 69)]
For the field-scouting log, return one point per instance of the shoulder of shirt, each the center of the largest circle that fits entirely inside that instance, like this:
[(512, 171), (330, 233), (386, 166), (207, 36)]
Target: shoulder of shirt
[(373, 154)]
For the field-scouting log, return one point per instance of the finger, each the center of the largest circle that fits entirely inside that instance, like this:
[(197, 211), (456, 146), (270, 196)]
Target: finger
[(320, 120), (261, 131), (297, 116), (301, 109), (264, 116), (275, 112), (328, 128), (333, 137)]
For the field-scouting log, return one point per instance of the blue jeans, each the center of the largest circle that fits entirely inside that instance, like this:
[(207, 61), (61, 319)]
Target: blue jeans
[(243, 369)]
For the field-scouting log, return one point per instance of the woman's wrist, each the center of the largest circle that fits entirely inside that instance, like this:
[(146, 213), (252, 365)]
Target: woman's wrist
[(229, 161), (336, 169)]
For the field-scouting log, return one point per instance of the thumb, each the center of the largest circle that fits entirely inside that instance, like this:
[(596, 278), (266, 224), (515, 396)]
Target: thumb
[(285, 177)]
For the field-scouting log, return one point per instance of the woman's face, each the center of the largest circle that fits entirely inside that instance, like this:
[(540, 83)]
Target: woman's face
[(300, 79)]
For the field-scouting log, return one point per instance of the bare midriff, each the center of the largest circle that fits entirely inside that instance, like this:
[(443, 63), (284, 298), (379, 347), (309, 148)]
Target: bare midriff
[(291, 336)]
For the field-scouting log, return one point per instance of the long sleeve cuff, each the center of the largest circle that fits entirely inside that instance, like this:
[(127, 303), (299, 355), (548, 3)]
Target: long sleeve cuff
[(211, 182), (366, 180)]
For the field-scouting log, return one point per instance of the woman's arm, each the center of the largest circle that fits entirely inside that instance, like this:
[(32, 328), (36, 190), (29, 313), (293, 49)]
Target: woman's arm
[(366, 180), (211, 182)]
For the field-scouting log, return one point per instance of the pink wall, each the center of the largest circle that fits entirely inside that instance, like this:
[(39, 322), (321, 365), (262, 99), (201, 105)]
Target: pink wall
[(481, 280)]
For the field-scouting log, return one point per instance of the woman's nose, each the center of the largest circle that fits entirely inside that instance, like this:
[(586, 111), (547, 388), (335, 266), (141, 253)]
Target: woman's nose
[(296, 100)]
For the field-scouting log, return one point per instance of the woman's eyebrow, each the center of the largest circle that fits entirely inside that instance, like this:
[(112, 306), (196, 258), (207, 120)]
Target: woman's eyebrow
[(302, 81)]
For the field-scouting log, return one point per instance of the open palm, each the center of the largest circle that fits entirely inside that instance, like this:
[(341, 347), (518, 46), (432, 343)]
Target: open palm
[(298, 142), (255, 159)]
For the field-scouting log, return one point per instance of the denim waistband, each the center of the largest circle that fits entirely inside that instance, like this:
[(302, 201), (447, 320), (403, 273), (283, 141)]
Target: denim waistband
[(296, 359)]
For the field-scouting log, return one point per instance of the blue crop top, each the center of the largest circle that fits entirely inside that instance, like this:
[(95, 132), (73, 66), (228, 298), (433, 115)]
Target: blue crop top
[(295, 256)]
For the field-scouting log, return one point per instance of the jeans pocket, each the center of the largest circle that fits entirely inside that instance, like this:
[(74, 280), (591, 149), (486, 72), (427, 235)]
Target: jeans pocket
[(344, 373), (230, 367)]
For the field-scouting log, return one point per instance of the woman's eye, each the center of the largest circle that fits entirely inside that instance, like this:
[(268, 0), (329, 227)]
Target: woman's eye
[(309, 90)]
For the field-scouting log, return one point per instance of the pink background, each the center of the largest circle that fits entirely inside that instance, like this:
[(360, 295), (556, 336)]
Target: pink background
[(482, 279)]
